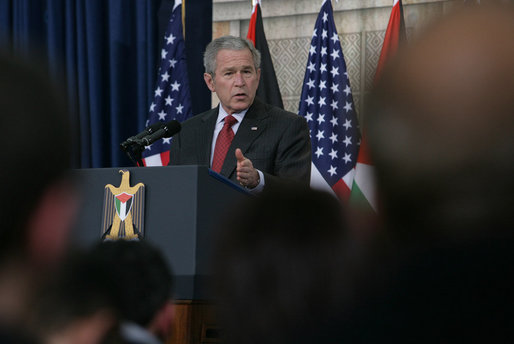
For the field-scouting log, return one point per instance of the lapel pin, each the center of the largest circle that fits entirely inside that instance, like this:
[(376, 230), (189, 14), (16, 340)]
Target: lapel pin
[(254, 128)]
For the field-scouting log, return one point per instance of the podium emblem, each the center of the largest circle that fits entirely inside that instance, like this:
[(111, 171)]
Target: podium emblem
[(123, 210), (123, 203)]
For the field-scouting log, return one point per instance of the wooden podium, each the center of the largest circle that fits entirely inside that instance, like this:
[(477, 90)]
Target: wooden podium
[(183, 205)]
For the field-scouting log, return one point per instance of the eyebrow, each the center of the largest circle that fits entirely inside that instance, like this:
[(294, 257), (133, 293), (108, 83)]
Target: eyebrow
[(234, 68)]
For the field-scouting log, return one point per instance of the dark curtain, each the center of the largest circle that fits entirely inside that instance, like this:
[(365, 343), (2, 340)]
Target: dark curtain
[(104, 54)]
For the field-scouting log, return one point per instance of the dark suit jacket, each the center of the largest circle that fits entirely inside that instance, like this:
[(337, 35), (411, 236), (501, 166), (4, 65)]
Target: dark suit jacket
[(276, 141)]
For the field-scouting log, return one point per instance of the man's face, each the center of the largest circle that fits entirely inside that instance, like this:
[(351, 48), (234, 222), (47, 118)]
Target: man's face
[(235, 79)]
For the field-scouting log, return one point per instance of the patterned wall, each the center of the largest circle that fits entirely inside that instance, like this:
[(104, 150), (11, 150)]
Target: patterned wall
[(361, 51)]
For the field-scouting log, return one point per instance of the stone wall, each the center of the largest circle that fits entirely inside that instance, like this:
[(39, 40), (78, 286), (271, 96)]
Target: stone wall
[(288, 25)]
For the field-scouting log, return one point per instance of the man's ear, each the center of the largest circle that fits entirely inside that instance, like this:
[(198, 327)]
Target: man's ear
[(209, 81), (258, 74), (162, 322), (50, 225)]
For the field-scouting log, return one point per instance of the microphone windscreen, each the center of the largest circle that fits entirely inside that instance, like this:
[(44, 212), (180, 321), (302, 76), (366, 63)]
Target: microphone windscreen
[(153, 127), (172, 127)]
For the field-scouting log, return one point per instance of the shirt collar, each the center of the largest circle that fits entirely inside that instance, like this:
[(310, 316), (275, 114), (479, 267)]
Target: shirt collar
[(222, 114), (133, 332)]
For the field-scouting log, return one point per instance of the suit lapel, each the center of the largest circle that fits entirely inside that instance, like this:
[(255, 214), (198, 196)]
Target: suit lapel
[(204, 137), (251, 127)]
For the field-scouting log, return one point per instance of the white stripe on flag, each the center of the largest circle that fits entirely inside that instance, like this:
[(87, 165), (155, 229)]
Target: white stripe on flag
[(318, 182), (348, 178), (153, 160), (123, 207), (365, 179)]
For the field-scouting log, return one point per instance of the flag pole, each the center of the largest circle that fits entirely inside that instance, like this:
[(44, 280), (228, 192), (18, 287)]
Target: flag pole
[(184, 19)]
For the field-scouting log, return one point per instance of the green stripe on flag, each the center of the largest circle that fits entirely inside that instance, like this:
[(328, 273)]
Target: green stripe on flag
[(359, 201)]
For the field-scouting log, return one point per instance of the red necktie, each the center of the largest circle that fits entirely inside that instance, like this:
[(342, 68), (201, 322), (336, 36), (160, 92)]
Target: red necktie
[(223, 143)]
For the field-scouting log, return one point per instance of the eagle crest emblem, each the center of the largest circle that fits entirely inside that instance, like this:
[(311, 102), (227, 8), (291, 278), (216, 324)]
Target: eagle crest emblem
[(123, 210)]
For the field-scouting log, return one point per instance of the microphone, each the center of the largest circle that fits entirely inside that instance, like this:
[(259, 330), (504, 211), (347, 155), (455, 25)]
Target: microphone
[(148, 131), (167, 130)]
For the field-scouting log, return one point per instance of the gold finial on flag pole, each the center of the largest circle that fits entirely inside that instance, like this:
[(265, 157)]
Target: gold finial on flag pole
[(183, 2)]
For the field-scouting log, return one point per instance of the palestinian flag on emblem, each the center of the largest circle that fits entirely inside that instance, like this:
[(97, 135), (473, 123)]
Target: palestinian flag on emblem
[(363, 195), (268, 90), (123, 204)]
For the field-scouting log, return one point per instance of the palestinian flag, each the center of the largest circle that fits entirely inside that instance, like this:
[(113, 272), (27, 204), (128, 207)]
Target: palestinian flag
[(363, 196), (123, 204), (268, 90)]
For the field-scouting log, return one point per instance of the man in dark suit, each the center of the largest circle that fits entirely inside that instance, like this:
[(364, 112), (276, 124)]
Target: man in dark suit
[(263, 145)]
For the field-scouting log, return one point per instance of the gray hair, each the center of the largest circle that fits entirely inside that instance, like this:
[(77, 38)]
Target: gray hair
[(228, 43)]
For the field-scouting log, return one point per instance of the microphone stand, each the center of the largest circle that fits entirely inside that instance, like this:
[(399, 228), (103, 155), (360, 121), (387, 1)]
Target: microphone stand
[(135, 152)]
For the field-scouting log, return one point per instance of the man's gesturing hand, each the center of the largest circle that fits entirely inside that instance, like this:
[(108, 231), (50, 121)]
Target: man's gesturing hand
[(247, 176)]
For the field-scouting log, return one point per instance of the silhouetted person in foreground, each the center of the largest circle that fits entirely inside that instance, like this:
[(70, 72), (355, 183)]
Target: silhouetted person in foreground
[(38, 203), (78, 306), (142, 288), (282, 267), (116, 292), (441, 126)]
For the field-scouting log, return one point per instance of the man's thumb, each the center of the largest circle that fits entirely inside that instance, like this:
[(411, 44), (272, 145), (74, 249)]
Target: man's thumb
[(239, 155)]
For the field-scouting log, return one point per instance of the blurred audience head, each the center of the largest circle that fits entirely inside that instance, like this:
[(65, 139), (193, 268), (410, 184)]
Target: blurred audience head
[(441, 124), (38, 203), (36, 149), (142, 284), (279, 268), (77, 305)]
